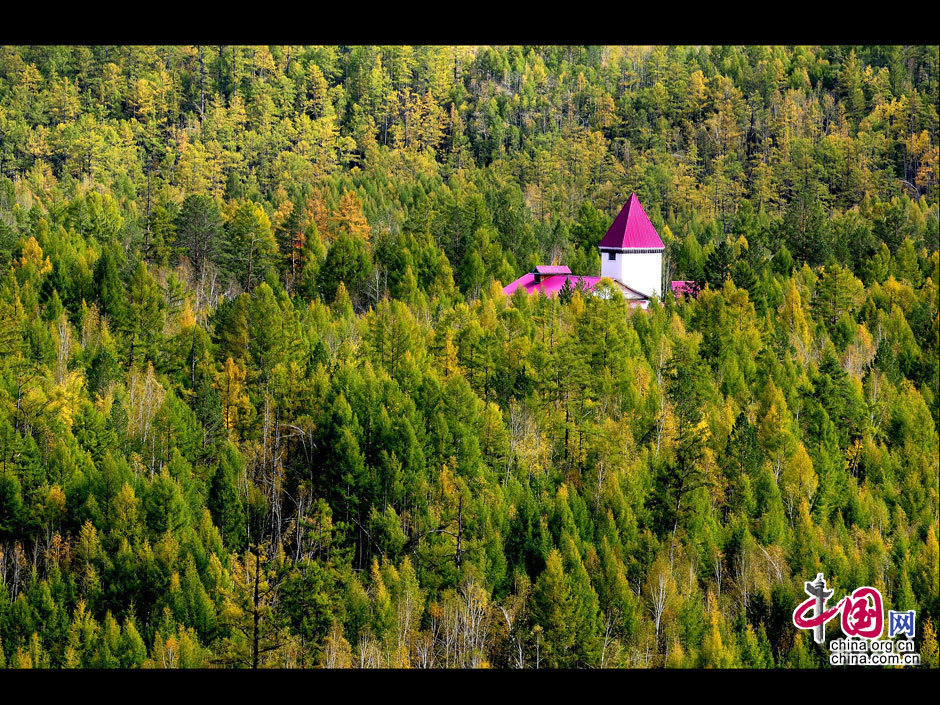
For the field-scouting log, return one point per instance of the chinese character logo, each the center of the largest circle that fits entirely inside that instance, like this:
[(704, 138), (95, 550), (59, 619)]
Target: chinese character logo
[(863, 614), (901, 623), (862, 611), (818, 596)]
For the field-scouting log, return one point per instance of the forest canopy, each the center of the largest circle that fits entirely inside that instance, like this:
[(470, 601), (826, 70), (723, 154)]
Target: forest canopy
[(263, 402)]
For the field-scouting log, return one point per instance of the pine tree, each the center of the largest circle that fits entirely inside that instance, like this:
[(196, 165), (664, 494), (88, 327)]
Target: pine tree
[(199, 231)]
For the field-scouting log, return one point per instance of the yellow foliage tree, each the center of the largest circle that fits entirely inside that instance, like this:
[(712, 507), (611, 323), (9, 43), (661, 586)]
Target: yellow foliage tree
[(231, 385)]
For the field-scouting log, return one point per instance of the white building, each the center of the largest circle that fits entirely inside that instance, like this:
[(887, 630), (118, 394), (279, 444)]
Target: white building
[(632, 252), (631, 255)]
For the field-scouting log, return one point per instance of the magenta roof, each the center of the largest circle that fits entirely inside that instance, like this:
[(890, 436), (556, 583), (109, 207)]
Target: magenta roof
[(552, 284), (687, 288), (552, 269), (549, 285), (632, 229)]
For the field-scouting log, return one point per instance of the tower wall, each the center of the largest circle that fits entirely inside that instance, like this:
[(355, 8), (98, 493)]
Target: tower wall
[(642, 271), (612, 268)]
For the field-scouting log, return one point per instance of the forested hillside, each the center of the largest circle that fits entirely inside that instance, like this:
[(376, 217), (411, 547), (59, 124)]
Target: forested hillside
[(264, 404)]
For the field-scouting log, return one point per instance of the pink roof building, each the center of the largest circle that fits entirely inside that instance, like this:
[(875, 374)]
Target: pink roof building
[(552, 284), (631, 257), (683, 289), (552, 269)]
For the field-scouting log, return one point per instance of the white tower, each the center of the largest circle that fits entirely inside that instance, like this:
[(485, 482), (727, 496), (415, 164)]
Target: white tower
[(640, 269), (632, 252)]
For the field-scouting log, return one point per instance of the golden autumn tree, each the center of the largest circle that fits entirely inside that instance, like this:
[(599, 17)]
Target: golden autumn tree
[(230, 382), (348, 218)]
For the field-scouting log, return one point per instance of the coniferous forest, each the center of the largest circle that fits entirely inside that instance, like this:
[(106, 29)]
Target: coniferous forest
[(263, 402)]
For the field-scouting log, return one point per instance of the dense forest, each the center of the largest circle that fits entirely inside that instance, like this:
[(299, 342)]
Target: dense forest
[(264, 404)]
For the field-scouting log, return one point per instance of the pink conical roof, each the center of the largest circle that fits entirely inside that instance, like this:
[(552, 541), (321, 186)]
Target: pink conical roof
[(632, 229)]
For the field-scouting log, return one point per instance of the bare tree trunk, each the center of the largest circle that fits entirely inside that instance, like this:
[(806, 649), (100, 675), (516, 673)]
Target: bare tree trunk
[(459, 531), (202, 85), (255, 615)]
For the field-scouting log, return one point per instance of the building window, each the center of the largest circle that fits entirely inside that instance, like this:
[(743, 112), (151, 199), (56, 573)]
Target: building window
[(611, 255)]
